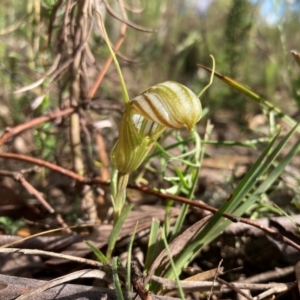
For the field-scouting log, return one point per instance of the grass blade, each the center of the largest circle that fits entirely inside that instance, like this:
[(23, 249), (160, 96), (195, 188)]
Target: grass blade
[(174, 269), (116, 231), (100, 256), (115, 264), (266, 184), (128, 283), (153, 244), (217, 223), (251, 94)]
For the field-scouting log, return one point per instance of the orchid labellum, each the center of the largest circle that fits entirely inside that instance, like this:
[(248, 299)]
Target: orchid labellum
[(165, 105)]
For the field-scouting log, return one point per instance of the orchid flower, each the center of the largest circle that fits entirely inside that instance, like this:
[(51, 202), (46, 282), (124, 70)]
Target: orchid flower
[(165, 105)]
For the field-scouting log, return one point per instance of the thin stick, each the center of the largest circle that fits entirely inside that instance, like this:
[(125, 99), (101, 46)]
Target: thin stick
[(10, 132), (90, 262), (195, 203), (19, 176)]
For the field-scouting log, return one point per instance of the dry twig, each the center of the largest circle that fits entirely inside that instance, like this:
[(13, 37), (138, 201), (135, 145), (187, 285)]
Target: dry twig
[(89, 262), (10, 132), (148, 190), (19, 176)]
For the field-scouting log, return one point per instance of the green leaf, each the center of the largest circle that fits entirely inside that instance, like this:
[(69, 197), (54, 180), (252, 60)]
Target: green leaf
[(266, 184), (128, 283), (153, 244), (115, 264), (174, 269), (235, 204), (251, 94), (116, 231), (101, 257)]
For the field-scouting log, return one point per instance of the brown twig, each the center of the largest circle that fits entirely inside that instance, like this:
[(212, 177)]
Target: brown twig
[(214, 210), (19, 176), (46, 164), (10, 132), (90, 262), (42, 79), (234, 288), (23, 171), (269, 276), (218, 272), (148, 190), (101, 106), (207, 285), (137, 280)]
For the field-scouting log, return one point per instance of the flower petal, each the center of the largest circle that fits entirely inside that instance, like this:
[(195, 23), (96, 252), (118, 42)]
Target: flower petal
[(170, 104), (136, 137)]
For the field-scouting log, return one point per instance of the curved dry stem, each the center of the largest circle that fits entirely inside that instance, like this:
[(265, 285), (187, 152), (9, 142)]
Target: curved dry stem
[(129, 23)]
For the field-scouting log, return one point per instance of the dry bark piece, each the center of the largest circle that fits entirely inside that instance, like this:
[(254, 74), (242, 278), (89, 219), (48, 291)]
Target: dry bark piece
[(12, 287)]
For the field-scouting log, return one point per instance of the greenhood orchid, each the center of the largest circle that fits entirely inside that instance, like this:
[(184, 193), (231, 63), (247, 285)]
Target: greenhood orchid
[(165, 105)]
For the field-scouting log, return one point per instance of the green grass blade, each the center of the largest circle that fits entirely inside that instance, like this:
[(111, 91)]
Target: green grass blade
[(251, 94), (115, 264), (217, 223), (181, 178), (244, 186), (250, 181), (266, 184), (116, 231), (100, 256), (198, 156), (153, 244), (128, 283), (173, 267)]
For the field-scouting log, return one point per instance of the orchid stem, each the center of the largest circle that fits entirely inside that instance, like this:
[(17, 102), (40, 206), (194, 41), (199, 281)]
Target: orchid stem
[(120, 195)]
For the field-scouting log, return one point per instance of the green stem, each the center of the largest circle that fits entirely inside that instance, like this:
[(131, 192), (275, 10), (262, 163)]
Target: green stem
[(112, 53), (120, 195), (211, 78)]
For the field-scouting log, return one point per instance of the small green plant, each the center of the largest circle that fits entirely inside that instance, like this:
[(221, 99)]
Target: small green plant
[(10, 226), (165, 105), (45, 140)]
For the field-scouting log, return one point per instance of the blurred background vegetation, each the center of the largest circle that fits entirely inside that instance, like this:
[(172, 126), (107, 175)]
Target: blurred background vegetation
[(250, 40)]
